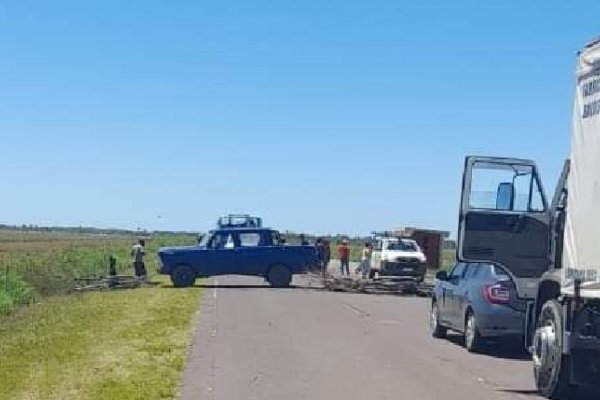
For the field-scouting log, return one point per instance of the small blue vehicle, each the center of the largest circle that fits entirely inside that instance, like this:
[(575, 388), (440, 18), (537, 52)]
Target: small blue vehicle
[(237, 251)]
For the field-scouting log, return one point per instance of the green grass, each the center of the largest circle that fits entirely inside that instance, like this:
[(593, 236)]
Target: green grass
[(128, 344), (110, 345), (37, 265)]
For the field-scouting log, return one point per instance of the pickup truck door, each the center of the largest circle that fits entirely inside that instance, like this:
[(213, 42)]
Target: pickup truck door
[(220, 255), (252, 253), (377, 255), (504, 218)]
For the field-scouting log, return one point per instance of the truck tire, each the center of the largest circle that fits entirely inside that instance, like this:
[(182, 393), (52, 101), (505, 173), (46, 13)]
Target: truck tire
[(279, 275), (437, 331), (550, 367), (183, 276), (473, 340)]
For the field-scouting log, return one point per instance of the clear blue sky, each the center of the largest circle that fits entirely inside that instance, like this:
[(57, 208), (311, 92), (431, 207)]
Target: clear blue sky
[(320, 116)]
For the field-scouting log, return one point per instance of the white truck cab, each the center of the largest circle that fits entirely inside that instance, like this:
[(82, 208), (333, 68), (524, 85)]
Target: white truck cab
[(393, 256)]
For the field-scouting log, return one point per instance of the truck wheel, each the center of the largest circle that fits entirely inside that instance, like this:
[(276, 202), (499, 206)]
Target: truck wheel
[(279, 275), (473, 339), (183, 276), (550, 367), (437, 331)]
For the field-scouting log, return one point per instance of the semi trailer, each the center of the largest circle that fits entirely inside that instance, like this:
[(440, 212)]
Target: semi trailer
[(550, 248)]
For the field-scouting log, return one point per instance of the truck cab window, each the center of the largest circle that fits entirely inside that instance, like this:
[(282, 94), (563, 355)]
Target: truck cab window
[(505, 187), (222, 241), (249, 239)]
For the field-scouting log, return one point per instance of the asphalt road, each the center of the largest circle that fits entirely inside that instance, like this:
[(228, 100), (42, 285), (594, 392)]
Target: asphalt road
[(255, 342)]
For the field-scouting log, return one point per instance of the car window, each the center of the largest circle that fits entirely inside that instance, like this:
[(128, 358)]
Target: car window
[(457, 272), (251, 239), (474, 271), (500, 273)]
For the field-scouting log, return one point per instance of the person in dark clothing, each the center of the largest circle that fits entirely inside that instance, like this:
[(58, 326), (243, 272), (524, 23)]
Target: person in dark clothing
[(138, 252), (326, 255), (303, 240), (320, 253)]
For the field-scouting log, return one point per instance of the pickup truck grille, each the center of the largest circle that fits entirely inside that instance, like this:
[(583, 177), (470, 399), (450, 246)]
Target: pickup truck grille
[(407, 260)]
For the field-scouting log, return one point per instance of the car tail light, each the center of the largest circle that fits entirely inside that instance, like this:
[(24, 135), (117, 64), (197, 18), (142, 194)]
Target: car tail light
[(497, 293)]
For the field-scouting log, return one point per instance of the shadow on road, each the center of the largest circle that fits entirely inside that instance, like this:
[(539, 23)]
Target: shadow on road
[(497, 348), (579, 395), (245, 287)]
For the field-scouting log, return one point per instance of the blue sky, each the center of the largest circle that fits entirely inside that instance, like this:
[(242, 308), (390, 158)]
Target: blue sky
[(320, 116)]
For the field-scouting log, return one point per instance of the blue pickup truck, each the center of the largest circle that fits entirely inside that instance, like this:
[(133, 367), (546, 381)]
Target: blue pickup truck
[(237, 251)]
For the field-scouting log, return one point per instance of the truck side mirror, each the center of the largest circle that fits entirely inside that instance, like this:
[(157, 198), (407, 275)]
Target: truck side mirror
[(505, 196)]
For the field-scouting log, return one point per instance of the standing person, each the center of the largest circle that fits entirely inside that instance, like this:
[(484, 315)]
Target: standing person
[(326, 254), (303, 240), (138, 252), (320, 252), (344, 254), (365, 265)]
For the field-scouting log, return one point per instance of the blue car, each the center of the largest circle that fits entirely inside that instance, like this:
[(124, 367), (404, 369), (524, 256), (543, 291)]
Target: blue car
[(478, 300), (237, 251)]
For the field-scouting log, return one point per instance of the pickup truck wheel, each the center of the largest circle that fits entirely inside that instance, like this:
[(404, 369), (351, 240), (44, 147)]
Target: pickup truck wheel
[(183, 276), (279, 275)]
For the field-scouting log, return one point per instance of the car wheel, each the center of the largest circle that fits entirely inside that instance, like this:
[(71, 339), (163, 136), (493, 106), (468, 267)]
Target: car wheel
[(473, 339), (183, 276), (279, 275), (551, 368), (437, 331)]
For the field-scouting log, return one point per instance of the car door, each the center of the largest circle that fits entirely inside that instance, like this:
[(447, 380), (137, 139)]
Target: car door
[(221, 254), (503, 218), (448, 288), (454, 281), (461, 293)]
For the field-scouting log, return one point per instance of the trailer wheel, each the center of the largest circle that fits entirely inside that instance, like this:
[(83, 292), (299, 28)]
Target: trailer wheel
[(183, 276), (551, 368), (279, 275), (437, 331)]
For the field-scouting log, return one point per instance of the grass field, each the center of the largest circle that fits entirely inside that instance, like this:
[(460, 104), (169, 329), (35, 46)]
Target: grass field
[(128, 344)]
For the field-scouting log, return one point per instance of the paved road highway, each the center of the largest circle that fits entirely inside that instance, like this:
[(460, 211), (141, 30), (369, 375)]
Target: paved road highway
[(255, 342)]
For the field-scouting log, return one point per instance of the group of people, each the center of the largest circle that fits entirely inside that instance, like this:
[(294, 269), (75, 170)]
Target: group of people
[(343, 249)]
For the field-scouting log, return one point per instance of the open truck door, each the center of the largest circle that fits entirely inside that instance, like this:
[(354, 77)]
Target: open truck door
[(504, 219)]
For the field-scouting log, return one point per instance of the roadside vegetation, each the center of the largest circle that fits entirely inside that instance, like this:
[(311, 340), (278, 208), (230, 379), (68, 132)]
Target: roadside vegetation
[(122, 344)]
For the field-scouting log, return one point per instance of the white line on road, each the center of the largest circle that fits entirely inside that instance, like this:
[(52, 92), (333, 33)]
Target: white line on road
[(215, 284)]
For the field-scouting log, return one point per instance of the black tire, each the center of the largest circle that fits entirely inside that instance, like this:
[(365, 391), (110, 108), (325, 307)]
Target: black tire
[(279, 276), (437, 331), (473, 340), (372, 274), (551, 368), (183, 276)]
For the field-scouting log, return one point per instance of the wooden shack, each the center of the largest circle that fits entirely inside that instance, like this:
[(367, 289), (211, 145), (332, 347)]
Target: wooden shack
[(431, 242)]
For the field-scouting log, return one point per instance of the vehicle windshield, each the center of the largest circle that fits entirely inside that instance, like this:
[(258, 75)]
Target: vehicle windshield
[(403, 245)]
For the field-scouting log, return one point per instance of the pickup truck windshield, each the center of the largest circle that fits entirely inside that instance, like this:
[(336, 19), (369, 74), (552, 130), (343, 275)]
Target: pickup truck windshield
[(402, 246)]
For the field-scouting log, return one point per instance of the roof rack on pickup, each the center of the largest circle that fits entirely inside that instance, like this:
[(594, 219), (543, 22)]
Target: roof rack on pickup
[(239, 221)]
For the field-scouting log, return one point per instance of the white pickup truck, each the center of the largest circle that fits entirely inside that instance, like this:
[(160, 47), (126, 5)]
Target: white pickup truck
[(401, 257)]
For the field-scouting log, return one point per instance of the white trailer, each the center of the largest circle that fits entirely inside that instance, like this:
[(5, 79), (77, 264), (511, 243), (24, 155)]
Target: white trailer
[(552, 250)]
